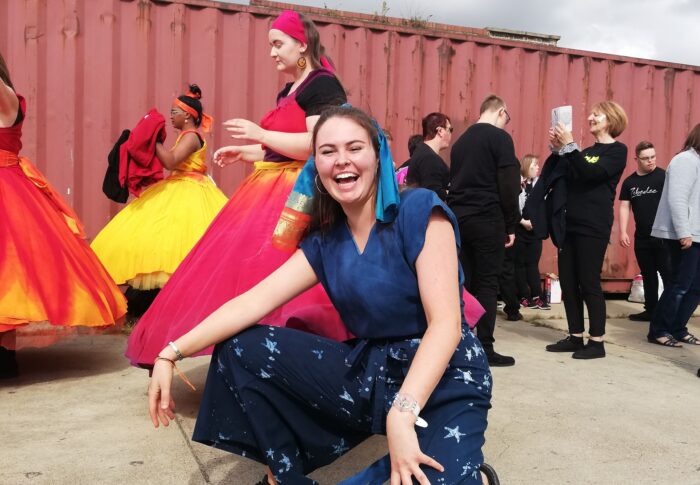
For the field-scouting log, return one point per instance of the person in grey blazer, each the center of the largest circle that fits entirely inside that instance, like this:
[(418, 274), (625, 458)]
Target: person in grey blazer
[(678, 221)]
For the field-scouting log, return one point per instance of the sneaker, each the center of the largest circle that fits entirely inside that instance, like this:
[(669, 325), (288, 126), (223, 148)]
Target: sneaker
[(514, 317), (592, 350), (568, 344), (497, 360), (500, 305), (640, 317), (525, 303), (540, 304)]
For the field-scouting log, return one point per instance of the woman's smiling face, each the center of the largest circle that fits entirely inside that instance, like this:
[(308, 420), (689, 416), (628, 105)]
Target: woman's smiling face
[(346, 162)]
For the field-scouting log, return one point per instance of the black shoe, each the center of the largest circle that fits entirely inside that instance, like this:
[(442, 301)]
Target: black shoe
[(640, 317), (490, 473), (514, 317), (592, 350), (497, 360), (8, 364), (568, 344)]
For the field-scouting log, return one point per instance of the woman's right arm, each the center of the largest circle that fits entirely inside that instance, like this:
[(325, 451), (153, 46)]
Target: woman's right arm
[(9, 104), (292, 145), (292, 278)]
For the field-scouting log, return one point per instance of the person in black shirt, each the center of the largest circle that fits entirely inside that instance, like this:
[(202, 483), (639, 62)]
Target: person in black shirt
[(484, 188), (591, 178), (425, 167), (642, 191)]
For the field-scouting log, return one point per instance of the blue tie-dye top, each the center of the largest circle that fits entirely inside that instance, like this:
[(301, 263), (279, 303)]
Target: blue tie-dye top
[(376, 292)]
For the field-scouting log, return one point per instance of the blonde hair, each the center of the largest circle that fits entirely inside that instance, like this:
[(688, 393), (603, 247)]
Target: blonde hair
[(526, 163), (617, 118)]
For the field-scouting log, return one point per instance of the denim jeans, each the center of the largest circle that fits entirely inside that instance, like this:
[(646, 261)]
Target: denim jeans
[(681, 296)]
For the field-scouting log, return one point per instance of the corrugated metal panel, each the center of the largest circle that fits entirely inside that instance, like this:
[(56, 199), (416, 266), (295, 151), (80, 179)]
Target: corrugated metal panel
[(92, 67)]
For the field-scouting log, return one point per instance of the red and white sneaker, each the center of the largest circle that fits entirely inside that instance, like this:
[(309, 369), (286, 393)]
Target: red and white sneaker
[(540, 304)]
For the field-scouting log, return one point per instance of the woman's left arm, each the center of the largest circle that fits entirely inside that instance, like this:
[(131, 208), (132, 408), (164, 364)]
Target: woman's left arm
[(438, 282)]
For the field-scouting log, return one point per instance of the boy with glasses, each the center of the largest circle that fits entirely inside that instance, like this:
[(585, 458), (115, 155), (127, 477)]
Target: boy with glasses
[(642, 192)]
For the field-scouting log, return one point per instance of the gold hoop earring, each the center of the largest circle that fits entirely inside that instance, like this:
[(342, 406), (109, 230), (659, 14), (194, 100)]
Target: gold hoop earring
[(301, 62), (319, 187)]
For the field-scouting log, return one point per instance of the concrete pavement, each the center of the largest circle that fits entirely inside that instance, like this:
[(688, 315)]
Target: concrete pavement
[(78, 414)]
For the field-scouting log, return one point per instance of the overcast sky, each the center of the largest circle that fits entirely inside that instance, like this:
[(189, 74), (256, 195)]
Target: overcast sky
[(666, 30)]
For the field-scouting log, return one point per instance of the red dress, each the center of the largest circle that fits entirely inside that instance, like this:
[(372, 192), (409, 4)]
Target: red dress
[(48, 273), (236, 253)]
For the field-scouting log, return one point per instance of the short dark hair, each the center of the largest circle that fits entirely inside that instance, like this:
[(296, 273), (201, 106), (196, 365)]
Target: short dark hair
[(413, 143), (693, 140), (641, 146), (491, 103), (431, 123), (326, 210)]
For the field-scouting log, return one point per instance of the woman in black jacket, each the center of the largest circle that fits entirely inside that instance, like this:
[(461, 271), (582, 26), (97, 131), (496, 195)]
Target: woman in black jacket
[(592, 175)]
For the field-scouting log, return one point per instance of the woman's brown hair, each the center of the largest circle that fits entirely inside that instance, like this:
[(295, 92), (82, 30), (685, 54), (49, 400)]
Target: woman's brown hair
[(693, 140), (525, 165), (313, 41), (617, 118), (5, 72), (326, 210)]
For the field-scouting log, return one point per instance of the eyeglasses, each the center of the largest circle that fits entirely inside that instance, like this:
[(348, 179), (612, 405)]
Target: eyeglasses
[(505, 111), (646, 159), (448, 128)]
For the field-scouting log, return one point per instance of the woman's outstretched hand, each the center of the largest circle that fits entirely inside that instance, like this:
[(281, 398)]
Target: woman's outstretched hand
[(404, 451), (228, 155), (160, 404), (241, 129)]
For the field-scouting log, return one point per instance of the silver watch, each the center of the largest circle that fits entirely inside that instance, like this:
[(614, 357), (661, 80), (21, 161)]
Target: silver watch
[(406, 403)]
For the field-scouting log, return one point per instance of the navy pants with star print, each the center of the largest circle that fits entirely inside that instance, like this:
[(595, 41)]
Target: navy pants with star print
[(296, 401)]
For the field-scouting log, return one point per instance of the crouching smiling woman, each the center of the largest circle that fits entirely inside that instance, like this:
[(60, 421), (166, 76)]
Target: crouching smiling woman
[(415, 372)]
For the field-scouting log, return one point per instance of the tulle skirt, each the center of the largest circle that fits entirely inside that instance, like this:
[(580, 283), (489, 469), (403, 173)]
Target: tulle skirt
[(47, 272), (234, 254), (144, 244)]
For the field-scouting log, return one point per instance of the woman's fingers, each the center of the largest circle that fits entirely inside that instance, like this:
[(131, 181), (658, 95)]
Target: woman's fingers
[(153, 406), (419, 475), (431, 462), (406, 477)]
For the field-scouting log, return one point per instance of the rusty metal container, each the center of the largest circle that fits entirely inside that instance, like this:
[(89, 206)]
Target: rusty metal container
[(90, 68)]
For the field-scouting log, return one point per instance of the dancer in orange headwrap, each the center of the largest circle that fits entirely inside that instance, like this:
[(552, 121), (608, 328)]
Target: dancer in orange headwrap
[(144, 244), (47, 271)]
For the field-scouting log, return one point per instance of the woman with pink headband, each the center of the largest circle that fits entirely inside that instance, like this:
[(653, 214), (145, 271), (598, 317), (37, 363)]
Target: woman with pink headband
[(143, 244), (237, 250)]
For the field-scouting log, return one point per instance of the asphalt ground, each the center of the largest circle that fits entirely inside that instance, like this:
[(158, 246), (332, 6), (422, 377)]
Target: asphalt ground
[(78, 415)]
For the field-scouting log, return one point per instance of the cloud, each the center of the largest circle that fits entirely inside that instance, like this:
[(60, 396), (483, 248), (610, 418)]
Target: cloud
[(664, 30)]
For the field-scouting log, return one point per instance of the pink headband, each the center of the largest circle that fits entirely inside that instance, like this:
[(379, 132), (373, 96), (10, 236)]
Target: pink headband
[(290, 23)]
